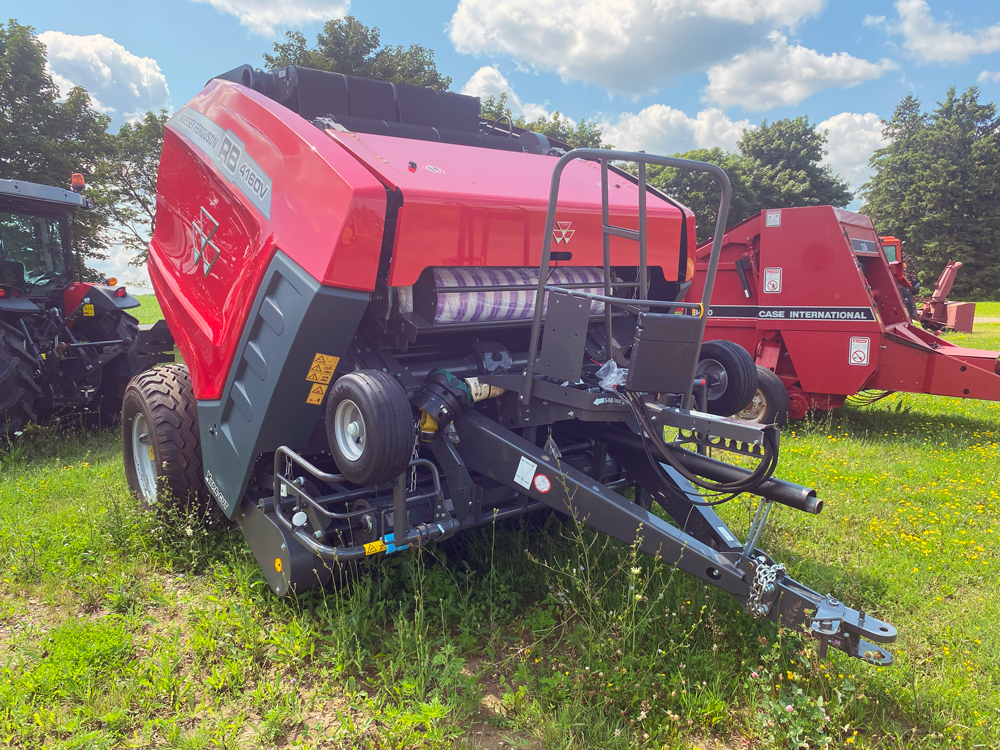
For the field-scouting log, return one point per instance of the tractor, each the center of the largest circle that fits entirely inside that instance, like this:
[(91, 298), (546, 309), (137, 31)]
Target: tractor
[(65, 344)]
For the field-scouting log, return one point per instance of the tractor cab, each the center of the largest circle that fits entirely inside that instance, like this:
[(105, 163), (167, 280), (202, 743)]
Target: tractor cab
[(36, 257)]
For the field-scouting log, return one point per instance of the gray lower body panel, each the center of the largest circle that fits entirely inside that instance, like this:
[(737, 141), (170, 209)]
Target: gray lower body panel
[(268, 400)]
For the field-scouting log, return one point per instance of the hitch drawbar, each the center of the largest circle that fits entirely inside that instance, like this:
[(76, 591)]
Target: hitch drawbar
[(700, 545)]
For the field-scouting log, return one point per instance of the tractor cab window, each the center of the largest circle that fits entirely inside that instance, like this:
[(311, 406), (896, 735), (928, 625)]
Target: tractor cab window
[(32, 252), (891, 252)]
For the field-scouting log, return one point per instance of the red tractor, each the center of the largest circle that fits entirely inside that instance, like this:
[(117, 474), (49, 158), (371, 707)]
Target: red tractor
[(400, 320), (64, 343)]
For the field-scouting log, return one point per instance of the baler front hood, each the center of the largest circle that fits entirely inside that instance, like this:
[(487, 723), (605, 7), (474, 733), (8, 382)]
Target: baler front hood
[(467, 206)]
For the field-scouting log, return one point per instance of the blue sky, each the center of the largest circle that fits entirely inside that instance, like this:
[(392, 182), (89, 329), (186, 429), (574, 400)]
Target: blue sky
[(662, 75)]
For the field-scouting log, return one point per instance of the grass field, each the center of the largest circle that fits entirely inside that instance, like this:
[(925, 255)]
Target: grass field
[(124, 630)]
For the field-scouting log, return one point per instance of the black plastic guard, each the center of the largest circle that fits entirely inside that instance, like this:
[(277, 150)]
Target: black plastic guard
[(268, 400), (286, 564)]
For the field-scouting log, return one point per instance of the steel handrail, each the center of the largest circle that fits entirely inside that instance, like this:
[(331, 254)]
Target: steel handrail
[(641, 159)]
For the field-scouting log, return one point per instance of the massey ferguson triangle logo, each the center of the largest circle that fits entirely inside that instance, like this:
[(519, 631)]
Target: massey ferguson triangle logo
[(562, 232), (206, 252)]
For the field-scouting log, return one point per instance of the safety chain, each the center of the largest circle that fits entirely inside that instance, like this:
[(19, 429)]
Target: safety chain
[(763, 585), (415, 454)]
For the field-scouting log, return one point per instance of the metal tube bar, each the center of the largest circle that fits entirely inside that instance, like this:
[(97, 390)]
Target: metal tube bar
[(643, 280), (623, 301), (606, 238), (629, 234), (604, 156)]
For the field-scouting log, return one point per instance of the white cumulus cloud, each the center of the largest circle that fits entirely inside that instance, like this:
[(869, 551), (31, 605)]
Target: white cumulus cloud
[(265, 16), (933, 41), (851, 140), (120, 83), (989, 76), (627, 46), (660, 129), (785, 74), (489, 81)]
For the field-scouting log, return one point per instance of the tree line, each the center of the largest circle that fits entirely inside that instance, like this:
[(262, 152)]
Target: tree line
[(934, 183)]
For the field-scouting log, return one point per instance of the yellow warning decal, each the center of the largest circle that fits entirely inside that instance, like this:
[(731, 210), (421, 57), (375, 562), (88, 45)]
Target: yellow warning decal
[(152, 455), (316, 394), (322, 367), (88, 311), (277, 564), (373, 548)]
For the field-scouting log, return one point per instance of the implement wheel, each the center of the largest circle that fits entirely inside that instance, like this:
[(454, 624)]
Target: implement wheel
[(17, 384), (369, 424), (160, 439), (731, 375), (770, 404)]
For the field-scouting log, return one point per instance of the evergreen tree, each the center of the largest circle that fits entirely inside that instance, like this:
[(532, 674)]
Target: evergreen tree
[(936, 187)]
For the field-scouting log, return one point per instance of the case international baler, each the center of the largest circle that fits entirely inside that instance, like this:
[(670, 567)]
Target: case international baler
[(811, 294), (399, 321)]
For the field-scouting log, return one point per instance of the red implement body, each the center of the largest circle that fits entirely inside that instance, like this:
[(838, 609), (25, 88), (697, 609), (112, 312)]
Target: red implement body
[(810, 294), (321, 197), (401, 319), (937, 313)]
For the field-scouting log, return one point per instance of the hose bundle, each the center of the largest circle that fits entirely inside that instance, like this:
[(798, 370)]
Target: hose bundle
[(667, 454)]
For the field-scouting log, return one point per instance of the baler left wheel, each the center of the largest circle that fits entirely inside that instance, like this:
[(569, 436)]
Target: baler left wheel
[(160, 439), (731, 375)]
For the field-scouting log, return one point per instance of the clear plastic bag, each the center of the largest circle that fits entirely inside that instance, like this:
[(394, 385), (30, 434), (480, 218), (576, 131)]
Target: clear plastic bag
[(610, 375)]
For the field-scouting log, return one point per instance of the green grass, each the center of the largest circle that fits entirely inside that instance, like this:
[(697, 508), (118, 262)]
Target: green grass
[(988, 309), (125, 630), (149, 310)]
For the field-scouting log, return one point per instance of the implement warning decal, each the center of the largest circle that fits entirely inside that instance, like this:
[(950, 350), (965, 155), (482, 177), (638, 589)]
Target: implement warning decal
[(322, 367), (316, 394)]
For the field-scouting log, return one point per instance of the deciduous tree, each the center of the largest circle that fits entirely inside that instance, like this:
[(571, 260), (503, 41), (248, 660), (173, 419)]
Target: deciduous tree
[(348, 46), (44, 138)]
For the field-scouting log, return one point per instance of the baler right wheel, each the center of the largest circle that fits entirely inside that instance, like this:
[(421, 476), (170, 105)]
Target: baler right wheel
[(160, 439), (370, 427), (731, 375), (17, 384), (770, 404)]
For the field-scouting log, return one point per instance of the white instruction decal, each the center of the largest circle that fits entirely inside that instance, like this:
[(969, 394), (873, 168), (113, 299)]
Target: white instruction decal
[(859, 350), (772, 218), (772, 280), (525, 473)]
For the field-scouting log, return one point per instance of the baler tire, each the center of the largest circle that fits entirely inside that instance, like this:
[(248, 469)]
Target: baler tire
[(387, 426), (164, 399), (741, 376), (770, 403), (18, 388)]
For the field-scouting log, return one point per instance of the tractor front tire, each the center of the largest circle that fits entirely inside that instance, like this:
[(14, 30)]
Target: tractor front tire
[(370, 427), (731, 375), (160, 439), (17, 384), (770, 404)]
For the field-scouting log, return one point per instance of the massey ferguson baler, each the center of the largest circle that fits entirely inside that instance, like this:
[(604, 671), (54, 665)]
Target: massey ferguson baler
[(399, 321), (810, 293)]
